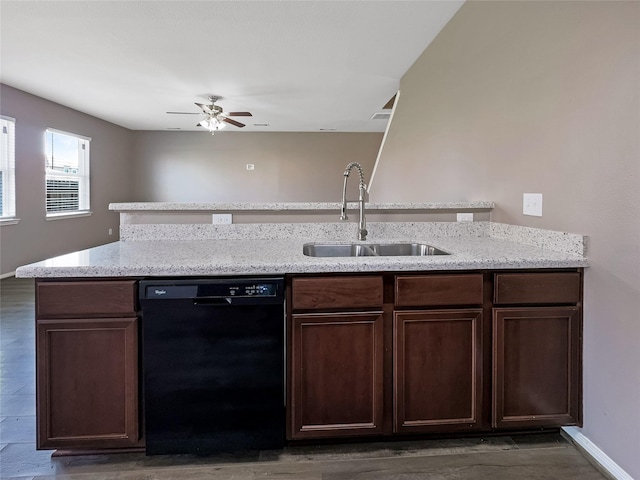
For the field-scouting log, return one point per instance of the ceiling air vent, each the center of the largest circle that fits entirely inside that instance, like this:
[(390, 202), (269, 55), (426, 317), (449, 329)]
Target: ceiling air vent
[(381, 116)]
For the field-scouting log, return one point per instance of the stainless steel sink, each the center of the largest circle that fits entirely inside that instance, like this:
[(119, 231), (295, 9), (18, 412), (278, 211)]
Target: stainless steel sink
[(406, 249), (370, 250)]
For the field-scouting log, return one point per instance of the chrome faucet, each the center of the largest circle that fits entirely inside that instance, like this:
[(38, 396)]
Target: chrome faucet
[(362, 226)]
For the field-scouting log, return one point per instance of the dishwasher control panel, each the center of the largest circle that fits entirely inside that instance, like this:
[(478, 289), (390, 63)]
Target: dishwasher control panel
[(228, 288), (241, 290), (255, 289)]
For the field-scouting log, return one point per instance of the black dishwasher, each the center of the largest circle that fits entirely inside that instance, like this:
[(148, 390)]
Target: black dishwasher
[(213, 364)]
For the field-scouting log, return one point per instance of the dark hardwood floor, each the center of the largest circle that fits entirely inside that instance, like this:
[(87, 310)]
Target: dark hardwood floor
[(540, 457)]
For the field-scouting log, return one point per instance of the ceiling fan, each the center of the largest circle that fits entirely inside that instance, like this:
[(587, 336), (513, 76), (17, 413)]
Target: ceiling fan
[(214, 116)]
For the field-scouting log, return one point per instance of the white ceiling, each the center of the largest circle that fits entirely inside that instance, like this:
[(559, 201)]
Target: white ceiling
[(302, 65)]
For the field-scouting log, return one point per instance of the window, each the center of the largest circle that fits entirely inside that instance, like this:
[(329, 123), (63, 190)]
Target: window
[(7, 168), (67, 177)]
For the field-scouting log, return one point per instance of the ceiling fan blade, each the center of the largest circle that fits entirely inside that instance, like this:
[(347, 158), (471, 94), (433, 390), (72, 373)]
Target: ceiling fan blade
[(233, 122), (185, 113), (239, 114)]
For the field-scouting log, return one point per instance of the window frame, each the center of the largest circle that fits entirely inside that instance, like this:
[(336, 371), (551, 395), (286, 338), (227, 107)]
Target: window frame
[(83, 176), (8, 169)]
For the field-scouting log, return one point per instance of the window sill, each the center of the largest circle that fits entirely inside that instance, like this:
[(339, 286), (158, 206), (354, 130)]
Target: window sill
[(9, 221), (59, 216)]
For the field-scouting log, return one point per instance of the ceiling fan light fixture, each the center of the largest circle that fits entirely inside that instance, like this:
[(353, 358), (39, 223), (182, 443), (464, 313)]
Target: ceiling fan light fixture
[(212, 123)]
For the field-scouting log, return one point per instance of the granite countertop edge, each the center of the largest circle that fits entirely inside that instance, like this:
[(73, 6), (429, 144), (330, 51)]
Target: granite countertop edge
[(293, 206), (160, 258)]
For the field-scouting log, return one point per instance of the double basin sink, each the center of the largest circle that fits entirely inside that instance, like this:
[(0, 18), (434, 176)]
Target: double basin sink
[(370, 250)]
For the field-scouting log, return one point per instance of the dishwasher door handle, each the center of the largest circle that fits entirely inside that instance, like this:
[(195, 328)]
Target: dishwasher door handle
[(215, 301)]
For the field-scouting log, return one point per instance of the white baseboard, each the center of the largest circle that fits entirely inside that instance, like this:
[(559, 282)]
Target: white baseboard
[(600, 459), (7, 275)]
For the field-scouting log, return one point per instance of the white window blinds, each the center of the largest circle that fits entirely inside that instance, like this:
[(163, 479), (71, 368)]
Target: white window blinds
[(7, 167), (67, 172)]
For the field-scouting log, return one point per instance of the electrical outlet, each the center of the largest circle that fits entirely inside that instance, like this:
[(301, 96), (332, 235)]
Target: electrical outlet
[(532, 204), (464, 217), (251, 166), (111, 231), (222, 219)]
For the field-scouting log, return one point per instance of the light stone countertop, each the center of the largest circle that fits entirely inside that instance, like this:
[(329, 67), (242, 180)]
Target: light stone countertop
[(215, 257), (291, 206)]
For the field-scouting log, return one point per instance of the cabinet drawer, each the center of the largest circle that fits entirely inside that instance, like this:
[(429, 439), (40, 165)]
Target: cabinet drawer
[(438, 290), (337, 292), (537, 288), (91, 298)]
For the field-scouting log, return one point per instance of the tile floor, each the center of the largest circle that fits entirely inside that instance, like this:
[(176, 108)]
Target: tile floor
[(539, 457)]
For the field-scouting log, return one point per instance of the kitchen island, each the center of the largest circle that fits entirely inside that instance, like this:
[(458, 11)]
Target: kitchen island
[(484, 339)]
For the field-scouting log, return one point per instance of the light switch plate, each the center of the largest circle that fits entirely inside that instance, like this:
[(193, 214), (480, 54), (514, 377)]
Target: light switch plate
[(532, 204), (464, 217), (222, 218)]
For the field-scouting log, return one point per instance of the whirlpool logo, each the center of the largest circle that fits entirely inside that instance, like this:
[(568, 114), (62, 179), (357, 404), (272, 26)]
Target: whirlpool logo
[(158, 292)]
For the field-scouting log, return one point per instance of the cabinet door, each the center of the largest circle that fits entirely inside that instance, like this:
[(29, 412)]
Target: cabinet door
[(87, 383), (437, 370), (536, 367), (336, 375)]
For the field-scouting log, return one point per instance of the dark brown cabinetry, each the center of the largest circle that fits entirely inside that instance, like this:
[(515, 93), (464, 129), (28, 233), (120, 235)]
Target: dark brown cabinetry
[(437, 374), (537, 348), (418, 353), (438, 290), (438, 354), (336, 359), (367, 355), (337, 381), (87, 364)]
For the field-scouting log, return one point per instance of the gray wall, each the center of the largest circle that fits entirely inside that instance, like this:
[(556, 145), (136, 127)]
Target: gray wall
[(542, 97), (34, 238), (289, 167), (163, 166)]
